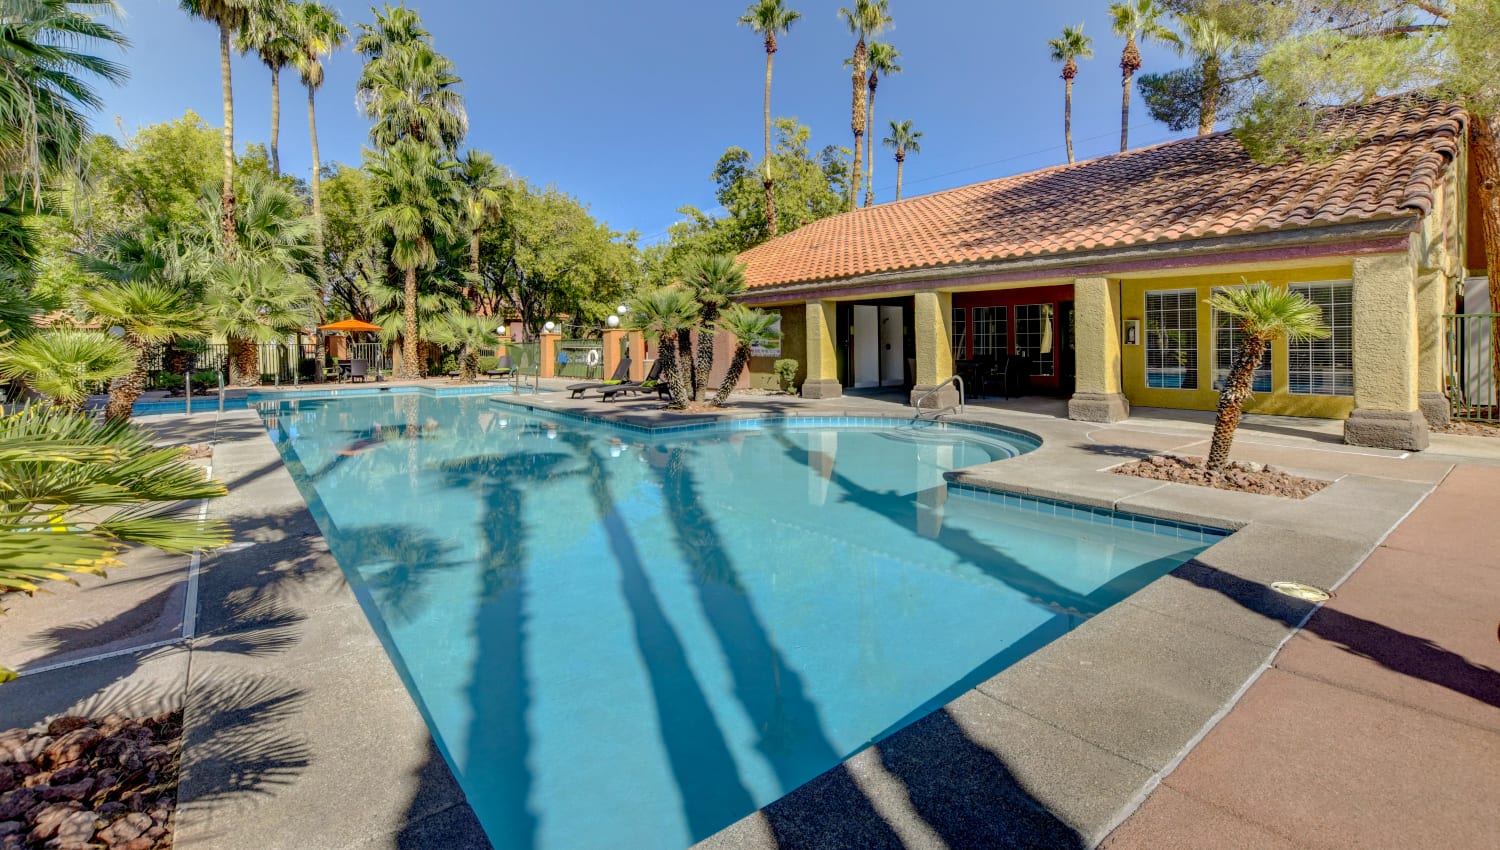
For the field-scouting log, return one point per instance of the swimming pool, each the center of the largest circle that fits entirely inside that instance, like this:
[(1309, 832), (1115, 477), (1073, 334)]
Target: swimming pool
[(633, 639)]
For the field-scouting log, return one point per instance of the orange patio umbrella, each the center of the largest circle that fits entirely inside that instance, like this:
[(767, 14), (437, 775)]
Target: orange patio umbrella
[(351, 326)]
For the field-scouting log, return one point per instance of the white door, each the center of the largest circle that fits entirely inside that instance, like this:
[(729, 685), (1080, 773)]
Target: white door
[(866, 346), (892, 348)]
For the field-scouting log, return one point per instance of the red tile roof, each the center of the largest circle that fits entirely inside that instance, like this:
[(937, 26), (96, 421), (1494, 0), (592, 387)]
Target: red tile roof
[(1190, 189)]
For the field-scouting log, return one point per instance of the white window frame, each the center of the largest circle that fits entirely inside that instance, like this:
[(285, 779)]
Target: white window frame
[(1191, 370), (1331, 380)]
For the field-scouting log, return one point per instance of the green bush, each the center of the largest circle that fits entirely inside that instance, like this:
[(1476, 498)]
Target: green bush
[(206, 379), (169, 382), (786, 374), (488, 364)]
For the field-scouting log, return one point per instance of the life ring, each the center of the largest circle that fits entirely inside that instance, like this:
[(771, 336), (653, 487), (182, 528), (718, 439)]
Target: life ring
[(592, 358)]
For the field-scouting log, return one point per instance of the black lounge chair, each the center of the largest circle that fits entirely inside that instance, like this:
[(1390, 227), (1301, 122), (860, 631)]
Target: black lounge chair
[(651, 384), (622, 374), (503, 367)]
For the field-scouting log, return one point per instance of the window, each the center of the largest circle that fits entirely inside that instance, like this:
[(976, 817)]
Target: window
[(991, 333), (1227, 340), (1325, 366), (960, 333), (1035, 337), (1172, 339)]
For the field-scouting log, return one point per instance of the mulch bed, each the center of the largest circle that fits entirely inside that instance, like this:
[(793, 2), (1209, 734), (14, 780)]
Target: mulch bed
[(1241, 477), (90, 783), (1470, 429)]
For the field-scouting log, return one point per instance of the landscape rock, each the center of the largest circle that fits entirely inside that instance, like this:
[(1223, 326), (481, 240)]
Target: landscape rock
[(1241, 476), (72, 746), (64, 725)]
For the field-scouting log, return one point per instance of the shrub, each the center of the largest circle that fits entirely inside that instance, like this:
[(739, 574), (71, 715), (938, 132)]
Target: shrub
[(487, 364), (205, 379), (169, 382), (786, 374), (307, 368)]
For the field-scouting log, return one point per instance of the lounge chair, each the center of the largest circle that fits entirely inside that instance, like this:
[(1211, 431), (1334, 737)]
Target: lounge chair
[(622, 374), (650, 384), (503, 367)]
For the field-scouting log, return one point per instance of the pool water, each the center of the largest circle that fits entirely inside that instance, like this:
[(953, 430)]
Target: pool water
[(630, 639)]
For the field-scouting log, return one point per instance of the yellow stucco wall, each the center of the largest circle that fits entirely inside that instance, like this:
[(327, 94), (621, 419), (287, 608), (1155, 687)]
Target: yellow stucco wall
[(793, 347), (1097, 318), (933, 319), (1278, 401), (1385, 332), (822, 359)]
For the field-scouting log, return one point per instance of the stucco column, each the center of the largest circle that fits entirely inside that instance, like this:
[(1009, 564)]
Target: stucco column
[(637, 355), (1434, 298), (547, 368), (932, 320), (613, 342), (822, 358), (1386, 355), (1098, 395)]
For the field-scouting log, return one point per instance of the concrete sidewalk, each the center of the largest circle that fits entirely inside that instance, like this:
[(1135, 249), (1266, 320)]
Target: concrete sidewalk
[(1378, 725)]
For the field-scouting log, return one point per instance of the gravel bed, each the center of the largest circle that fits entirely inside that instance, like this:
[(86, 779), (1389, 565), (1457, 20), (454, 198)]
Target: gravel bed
[(1240, 476)]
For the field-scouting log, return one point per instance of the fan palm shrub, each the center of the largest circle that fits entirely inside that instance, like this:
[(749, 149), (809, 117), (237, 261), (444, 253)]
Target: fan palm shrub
[(253, 303), (64, 364), (469, 334), (76, 493), (1263, 314), (667, 313), (714, 280), (149, 314), (750, 328)]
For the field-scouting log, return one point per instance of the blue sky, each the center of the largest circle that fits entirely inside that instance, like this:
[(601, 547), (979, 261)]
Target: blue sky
[(628, 105)]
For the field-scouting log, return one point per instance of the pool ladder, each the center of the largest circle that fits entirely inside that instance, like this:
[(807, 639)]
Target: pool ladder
[(956, 381)]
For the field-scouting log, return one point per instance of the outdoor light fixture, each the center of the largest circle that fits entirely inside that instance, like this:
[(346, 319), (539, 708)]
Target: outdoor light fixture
[(622, 309), (613, 321), (550, 327), (1298, 590)]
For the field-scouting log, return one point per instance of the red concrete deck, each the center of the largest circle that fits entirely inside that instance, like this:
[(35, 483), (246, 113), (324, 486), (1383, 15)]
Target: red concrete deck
[(1379, 723)]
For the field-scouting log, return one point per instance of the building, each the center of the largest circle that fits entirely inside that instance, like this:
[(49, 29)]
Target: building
[(1092, 278)]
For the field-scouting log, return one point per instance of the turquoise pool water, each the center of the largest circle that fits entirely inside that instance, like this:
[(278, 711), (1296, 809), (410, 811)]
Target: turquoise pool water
[(631, 639)]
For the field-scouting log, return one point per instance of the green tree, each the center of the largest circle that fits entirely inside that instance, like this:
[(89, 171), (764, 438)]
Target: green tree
[(881, 57), (665, 313), (769, 19), (229, 16), (267, 33), (251, 303), (149, 314), (159, 173), (414, 204), (1264, 314), (750, 328), (1072, 46), (482, 189), (469, 334), (354, 252), (714, 282), (407, 88), (1137, 21), (904, 140), (64, 365), (866, 20)]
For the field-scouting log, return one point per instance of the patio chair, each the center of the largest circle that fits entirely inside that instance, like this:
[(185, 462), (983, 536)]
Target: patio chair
[(647, 385), (622, 374), (503, 367), (359, 370)]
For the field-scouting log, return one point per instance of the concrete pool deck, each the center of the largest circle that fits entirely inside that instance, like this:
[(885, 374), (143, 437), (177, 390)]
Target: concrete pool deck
[(300, 733)]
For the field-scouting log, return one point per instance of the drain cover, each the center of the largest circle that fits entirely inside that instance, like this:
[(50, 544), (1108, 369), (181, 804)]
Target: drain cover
[(1298, 590)]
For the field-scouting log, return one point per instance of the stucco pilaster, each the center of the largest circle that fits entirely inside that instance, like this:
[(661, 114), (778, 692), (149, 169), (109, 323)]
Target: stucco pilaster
[(1098, 395), (1387, 354), (932, 325), (822, 357)]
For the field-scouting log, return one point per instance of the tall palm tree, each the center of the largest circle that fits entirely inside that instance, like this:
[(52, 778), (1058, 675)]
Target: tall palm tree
[(482, 184), (769, 18), (317, 34), (148, 314), (750, 328), (1211, 44), (267, 33), (903, 140), (882, 61), (1264, 314), (413, 203), (229, 16), (64, 364), (46, 88), (1137, 21), (866, 20), (714, 280), (408, 88), (1072, 46), (667, 313)]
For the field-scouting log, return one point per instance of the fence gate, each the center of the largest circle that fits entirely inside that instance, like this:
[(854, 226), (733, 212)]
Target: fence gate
[(1473, 376)]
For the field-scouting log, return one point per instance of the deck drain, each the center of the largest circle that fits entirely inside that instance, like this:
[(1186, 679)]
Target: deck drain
[(1298, 590)]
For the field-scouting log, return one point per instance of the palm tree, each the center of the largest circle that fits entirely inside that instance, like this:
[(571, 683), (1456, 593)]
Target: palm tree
[(229, 16), (1073, 45), (882, 60), (903, 140), (714, 280), (867, 19), (1137, 21), (406, 87), (76, 493), (666, 313), (1210, 44), (1264, 314), (268, 33), (413, 201), (482, 184), (750, 328), (317, 33), (252, 303), (148, 314), (769, 18), (45, 90), (469, 334), (64, 364)]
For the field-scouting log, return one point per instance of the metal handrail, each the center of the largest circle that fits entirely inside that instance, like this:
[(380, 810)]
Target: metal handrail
[(956, 381)]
